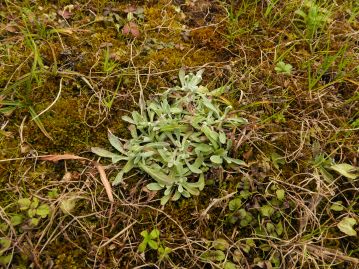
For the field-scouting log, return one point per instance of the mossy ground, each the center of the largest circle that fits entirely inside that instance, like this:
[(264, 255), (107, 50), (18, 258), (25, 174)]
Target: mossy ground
[(80, 49)]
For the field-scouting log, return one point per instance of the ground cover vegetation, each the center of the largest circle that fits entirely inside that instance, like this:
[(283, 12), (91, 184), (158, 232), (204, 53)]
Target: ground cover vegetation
[(179, 134)]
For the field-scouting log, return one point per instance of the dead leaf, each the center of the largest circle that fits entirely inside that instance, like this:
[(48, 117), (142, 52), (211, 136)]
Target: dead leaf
[(66, 13), (11, 28), (131, 28), (105, 181), (56, 158)]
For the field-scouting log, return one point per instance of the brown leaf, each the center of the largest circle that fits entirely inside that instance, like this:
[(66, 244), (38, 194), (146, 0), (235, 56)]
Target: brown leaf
[(11, 28), (131, 28), (105, 181)]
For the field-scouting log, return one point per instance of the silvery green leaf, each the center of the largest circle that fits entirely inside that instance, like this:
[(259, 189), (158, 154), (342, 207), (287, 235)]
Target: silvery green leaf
[(222, 138), (218, 92), (104, 153), (236, 161), (118, 158), (180, 188), (128, 119), (216, 159), (157, 175), (154, 186), (165, 199), (193, 168), (200, 183), (209, 105), (181, 75), (176, 196), (168, 191), (133, 131), (186, 194), (137, 118), (128, 166), (118, 178), (116, 143), (191, 189), (203, 147), (237, 120)]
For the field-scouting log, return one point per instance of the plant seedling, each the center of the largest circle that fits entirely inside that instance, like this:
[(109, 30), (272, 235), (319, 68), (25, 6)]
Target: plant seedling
[(283, 68), (149, 239)]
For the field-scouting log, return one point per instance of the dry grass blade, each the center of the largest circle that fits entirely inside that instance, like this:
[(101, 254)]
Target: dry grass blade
[(104, 180), (56, 158)]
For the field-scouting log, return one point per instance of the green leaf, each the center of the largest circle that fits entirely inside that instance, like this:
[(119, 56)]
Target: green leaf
[(165, 199), (34, 222), (5, 260), (43, 211), (35, 203), (142, 246), (337, 206), (193, 168), (279, 228), (160, 177), (24, 203), (236, 161), (235, 204), (266, 210), (222, 138), (229, 265), (104, 153), (154, 186), (153, 244), (216, 159), (346, 226), (220, 244), (154, 234), (283, 68), (4, 244), (213, 255), (346, 170), (16, 219), (116, 143), (280, 194), (31, 212)]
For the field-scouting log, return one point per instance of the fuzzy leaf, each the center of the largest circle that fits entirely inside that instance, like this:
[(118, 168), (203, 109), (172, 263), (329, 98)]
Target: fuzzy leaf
[(116, 143), (43, 211), (216, 159), (24, 203), (154, 186)]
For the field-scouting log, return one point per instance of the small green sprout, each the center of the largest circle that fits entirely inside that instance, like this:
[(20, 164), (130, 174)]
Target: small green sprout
[(149, 239), (283, 68)]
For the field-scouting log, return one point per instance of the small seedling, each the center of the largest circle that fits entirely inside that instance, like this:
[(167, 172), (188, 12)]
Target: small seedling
[(150, 239), (34, 212), (283, 68)]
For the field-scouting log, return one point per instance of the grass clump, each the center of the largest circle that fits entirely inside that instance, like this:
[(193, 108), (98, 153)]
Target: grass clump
[(177, 138)]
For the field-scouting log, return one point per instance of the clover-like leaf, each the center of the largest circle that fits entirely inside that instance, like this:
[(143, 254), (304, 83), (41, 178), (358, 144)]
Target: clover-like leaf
[(283, 68), (24, 203), (43, 211), (346, 226)]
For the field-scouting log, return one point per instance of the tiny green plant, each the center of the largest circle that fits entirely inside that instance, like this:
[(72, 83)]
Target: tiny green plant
[(32, 211), (149, 239), (283, 68), (313, 17), (177, 138)]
